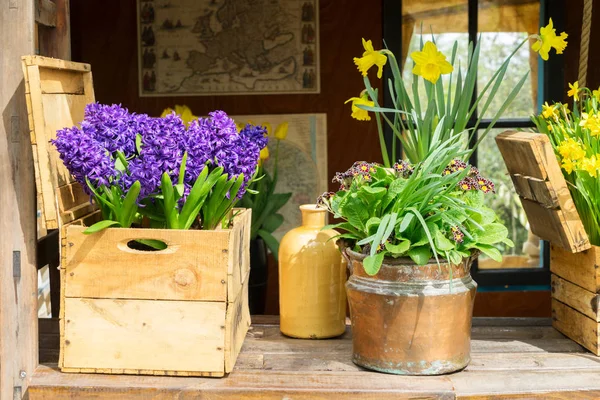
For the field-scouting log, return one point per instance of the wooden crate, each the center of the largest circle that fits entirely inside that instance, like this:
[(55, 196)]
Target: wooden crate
[(575, 295), (179, 311), (574, 263)]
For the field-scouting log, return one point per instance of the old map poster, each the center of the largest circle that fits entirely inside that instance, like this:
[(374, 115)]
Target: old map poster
[(302, 161), (228, 47)]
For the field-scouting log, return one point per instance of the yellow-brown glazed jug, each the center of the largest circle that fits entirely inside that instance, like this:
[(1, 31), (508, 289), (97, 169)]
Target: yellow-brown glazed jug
[(312, 274)]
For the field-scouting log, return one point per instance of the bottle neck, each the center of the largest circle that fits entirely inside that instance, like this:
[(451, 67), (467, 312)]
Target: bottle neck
[(312, 216)]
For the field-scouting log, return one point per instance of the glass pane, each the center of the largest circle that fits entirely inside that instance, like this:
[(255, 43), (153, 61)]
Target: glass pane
[(503, 25), (527, 250), (446, 20)]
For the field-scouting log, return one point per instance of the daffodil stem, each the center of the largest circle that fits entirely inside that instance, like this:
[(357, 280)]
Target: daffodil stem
[(384, 152)]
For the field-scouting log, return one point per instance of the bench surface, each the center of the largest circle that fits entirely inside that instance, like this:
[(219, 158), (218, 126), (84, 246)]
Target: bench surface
[(512, 358)]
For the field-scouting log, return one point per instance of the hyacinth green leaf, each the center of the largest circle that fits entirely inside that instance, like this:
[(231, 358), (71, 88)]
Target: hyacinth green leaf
[(153, 243), (182, 169), (169, 202), (100, 225), (372, 263), (138, 143), (129, 207)]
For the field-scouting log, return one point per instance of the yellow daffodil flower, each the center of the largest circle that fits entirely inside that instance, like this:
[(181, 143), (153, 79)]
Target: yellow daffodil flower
[(571, 149), (166, 112), (369, 58), (591, 165), (358, 113), (430, 63), (240, 126), (281, 131), (591, 122), (547, 40), (568, 165), (549, 111), (574, 90), (596, 94)]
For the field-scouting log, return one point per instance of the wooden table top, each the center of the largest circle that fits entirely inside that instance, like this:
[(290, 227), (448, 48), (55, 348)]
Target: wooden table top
[(512, 358)]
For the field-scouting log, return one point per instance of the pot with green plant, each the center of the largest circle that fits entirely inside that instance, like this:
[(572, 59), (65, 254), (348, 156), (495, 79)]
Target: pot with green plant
[(412, 228), (266, 219)]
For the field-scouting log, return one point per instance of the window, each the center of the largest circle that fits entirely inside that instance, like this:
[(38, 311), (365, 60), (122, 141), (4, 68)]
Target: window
[(500, 25)]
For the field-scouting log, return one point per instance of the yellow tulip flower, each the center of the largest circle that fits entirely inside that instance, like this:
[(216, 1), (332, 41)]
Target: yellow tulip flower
[(358, 113), (430, 63), (281, 131), (547, 40), (574, 90), (264, 153), (369, 58), (268, 127)]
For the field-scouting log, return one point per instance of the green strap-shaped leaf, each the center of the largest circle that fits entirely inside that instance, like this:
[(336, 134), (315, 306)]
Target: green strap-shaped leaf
[(100, 225)]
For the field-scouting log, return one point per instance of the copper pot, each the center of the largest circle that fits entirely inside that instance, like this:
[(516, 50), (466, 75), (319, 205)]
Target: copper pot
[(410, 319)]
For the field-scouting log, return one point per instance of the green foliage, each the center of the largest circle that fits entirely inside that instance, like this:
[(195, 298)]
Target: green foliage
[(265, 204), (420, 215)]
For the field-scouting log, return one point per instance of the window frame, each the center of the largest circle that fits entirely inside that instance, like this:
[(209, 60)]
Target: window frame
[(532, 278)]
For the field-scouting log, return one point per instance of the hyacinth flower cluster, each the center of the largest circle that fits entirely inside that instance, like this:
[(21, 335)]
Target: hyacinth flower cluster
[(175, 175), (425, 210)]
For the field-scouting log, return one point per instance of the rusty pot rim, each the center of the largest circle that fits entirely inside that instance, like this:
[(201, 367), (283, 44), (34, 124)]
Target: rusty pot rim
[(402, 260)]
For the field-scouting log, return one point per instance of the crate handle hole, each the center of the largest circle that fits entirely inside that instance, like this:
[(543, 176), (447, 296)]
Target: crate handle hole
[(147, 245)]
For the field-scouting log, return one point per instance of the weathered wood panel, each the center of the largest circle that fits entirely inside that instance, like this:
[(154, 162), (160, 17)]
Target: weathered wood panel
[(18, 272), (539, 182)]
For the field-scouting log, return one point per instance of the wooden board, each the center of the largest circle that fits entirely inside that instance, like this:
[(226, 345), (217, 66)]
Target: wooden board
[(57, 92), (18, 272), (538, 180), (576, 297), (272, 366), (582, 269), (192, 267), (582, 329), (126, 336), (237, 324)]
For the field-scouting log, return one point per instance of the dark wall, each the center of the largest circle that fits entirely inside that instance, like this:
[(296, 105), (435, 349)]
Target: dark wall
[(104, 35)]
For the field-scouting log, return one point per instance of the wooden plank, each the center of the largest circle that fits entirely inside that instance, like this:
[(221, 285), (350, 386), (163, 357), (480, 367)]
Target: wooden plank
[(56, 41), (523, 384), (72, 195), (192, 267), (576, 297), (45, 13), (133, 336), (55, 81), (240, 385), (56, 63), (238, 268), (520, 155), (539, 181), (237, 324), (582, 269), (44, 164), (572, 323), (18, 272)]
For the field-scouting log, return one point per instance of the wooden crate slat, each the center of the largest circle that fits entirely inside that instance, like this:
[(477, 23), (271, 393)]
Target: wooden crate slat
[(582, 269), (57, 92), (577, 326), (538, 180), (126, 336), (576, 297), (190, 268)]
